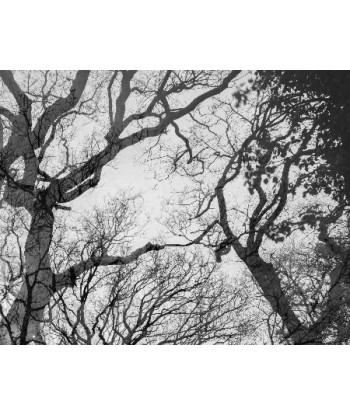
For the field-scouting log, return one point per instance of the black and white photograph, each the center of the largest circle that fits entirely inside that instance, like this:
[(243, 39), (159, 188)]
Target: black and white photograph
[(201, 214), (175, 207)]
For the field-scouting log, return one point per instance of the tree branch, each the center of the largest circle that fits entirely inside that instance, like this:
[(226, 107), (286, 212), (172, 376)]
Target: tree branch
[(68, 277), (60, 106), (8, 114), (60, 188), (121, 100), (23, 102)]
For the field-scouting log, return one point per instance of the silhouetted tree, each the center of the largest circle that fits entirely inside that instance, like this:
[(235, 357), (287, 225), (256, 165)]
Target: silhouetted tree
[(271, 148), (58, 131)]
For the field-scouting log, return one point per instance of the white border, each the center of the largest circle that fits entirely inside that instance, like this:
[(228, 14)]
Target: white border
[(174, 380), (156, 35)]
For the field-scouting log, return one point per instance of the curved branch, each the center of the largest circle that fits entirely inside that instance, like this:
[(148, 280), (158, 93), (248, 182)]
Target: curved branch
[(60, 188), (60, 106)]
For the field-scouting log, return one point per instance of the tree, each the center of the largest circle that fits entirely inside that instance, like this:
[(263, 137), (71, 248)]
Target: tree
[(44, 117), (323, 96), (253, 153), (316, 281), (273, 148), (177, 297)]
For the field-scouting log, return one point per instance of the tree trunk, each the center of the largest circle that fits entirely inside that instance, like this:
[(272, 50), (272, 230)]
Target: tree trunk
[(22, 325), (269, 282)]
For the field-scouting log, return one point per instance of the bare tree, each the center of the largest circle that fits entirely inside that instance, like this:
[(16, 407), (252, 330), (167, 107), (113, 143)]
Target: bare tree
[(58, 131), (176, 297), (251, 171), (156, 300)]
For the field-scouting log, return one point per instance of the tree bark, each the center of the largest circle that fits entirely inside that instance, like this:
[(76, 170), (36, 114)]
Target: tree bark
[(27, 312), (268, 281)]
